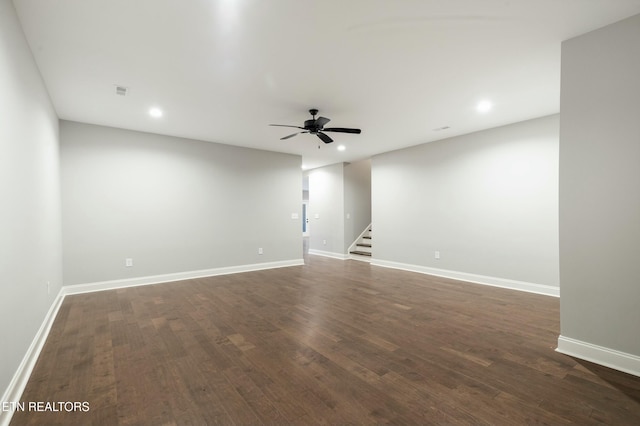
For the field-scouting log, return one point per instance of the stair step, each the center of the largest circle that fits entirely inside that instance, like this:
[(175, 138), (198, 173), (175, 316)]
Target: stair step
[(363, 245), (367, 237), (361, 253)]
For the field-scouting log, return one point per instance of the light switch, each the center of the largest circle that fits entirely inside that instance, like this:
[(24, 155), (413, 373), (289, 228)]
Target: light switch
[(294, 215)]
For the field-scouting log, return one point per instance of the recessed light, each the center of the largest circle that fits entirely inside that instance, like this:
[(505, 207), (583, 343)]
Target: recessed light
[(155, 112), (341, 147), (484, 106)]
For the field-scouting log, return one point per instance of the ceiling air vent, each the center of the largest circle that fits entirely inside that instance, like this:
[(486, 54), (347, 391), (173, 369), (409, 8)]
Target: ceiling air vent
[(121, 90)]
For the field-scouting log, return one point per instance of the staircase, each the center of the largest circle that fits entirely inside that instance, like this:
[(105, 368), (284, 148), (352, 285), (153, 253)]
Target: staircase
[(361, 249)]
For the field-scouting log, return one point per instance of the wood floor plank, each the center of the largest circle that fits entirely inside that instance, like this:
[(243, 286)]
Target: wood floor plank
[(330, 342)]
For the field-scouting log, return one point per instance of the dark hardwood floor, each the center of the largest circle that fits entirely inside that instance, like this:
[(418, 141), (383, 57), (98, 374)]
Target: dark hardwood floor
[(331, 342)]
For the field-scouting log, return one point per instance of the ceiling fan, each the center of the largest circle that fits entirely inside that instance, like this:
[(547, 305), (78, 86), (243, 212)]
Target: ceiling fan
[(315, 126)]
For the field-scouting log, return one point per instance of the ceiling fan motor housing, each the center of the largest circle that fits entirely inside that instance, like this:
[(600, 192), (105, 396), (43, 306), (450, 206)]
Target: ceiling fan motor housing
[(311, 126)]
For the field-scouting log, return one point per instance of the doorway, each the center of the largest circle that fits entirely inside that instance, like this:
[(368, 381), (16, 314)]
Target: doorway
[(305, 218)]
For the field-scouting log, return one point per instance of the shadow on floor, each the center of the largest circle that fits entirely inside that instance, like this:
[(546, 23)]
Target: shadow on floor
[(625, 383)]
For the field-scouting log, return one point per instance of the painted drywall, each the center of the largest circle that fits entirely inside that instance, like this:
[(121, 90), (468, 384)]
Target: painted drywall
[(487, 201), (600, 187), (326, 210), (357, 200), (172, 205), (30, 240)]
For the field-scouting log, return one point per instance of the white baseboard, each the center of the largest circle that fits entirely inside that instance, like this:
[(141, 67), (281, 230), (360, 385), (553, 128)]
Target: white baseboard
[(13, 393), (543, 289), (360, 258), (330, 254), (179, 276), (611, 358)]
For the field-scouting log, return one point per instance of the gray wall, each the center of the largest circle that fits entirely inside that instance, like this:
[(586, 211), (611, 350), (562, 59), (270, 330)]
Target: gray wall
[(30, 242), (488, 201), (172, 204), (357, 200), (600, 187), (326, 207)]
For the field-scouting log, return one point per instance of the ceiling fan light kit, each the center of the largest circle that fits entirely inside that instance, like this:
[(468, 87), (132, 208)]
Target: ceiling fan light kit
[(315, 126)]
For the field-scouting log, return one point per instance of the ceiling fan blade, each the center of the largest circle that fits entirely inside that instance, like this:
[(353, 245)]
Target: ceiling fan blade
[(321, 121), (325, 138), (286, 125), (290, 136), (293, 134), (342, 130)]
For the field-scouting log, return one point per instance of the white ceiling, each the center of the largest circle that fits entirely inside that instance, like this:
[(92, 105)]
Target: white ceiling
[(222, 70)]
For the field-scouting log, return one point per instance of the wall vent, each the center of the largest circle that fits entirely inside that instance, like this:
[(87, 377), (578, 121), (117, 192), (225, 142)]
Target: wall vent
[(121, 90)]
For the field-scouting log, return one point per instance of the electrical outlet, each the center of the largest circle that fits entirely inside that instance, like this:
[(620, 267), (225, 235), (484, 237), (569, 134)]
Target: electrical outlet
[(128, 262), (437, 254), (324, 242), (260, 250)]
